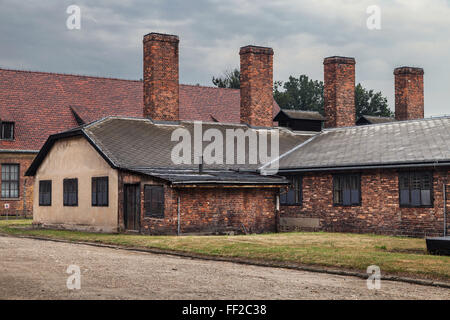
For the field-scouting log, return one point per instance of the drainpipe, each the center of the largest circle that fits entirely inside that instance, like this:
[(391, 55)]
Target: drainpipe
[(277, 213), (445, 211), (178, 216)]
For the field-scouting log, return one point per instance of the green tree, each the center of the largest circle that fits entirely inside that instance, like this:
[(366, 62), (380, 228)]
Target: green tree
[(303, 93), (369, 103), (299, 93), (230, 79)]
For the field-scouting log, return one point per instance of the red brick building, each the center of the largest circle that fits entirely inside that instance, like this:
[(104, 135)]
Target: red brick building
[(34, 105), (381, 177), (385, 176)]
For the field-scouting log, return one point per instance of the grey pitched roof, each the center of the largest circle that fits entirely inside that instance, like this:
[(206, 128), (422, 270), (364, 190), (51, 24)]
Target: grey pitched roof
[(425, 141), (302, 115), (143, 143), (145, 146)]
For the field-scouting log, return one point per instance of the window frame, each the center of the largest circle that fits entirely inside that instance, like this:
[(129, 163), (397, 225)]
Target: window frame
[(2, 134), (69, 204), (41, 204), (10, 181), (147, 215), (422, 173), (95, 180), (341, 176), (298, 180)]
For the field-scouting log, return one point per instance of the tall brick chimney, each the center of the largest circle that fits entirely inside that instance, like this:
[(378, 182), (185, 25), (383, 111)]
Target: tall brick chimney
[(339, 92), (161, 88), (409, 99), (256, 86)]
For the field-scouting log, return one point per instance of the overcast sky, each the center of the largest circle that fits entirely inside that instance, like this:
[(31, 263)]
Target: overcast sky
[(34, 36)]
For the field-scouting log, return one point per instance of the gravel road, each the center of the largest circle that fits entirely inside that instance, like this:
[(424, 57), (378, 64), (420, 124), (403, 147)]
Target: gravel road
[(35, 269)]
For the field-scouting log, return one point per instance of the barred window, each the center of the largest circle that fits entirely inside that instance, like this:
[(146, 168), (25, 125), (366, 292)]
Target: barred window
[(10, 181), (415, 188), (70, 192), (154, 201), (45, 193), (293, 195), (347, 189), (6, 130), (100, 192)]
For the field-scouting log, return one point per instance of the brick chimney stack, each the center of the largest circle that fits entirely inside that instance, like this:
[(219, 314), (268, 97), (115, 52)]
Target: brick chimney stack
[(409, 100), (161, 88), (339, 92), (256, 86)]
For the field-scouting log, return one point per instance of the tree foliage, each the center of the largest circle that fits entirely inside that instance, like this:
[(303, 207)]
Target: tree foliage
[(303, 93), (369, 103), (230, 79), (299, 93)]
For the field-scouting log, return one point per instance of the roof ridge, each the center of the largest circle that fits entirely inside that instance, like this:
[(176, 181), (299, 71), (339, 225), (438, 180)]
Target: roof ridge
[(68, 74), (205, 86), (101, 77), (388, 123), (369, 115)]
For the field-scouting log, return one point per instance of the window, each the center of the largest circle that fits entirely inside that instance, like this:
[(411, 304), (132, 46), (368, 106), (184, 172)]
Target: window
[(10, 181), (154, 201), (293, 195), (70, 192), (45, 193), (7, 130), (100, 192), (415, 188), (347, 189)]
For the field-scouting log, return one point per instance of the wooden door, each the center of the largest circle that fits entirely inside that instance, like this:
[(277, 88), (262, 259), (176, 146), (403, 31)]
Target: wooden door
[(131, 207)]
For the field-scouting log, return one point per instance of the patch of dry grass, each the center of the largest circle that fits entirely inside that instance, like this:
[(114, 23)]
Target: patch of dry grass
[(394, 255)]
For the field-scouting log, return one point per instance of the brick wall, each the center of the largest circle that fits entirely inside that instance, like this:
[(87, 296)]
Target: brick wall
[(379, 212), (207, 210), (24, 204), (339, 92), (409, 99), (161, 88), (256, 86)]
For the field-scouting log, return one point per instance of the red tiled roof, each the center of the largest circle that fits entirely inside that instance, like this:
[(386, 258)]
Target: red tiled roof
[(43, 103)]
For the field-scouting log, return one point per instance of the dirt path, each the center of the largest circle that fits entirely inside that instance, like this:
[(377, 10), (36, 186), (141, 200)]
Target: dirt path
[(33, 269)]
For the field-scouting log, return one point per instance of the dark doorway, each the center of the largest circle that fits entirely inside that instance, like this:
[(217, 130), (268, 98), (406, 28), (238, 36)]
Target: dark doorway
[(131, 207)]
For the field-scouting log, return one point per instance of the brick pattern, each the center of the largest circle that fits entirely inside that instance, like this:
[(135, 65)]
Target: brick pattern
[(379, 212), (256, 86), (39, 103), (339, 92), (206, 210), (161, 89), (409, 98), (22, 206)]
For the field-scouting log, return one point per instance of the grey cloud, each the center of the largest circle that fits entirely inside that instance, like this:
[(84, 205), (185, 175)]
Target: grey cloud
[(302, 33)]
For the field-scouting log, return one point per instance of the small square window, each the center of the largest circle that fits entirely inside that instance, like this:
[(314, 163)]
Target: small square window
[(7, 130), (70, 192), (100, 192), (154, 201), (293, 195), (45, 193), (347, 189), (10, 181), (415, 188)]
